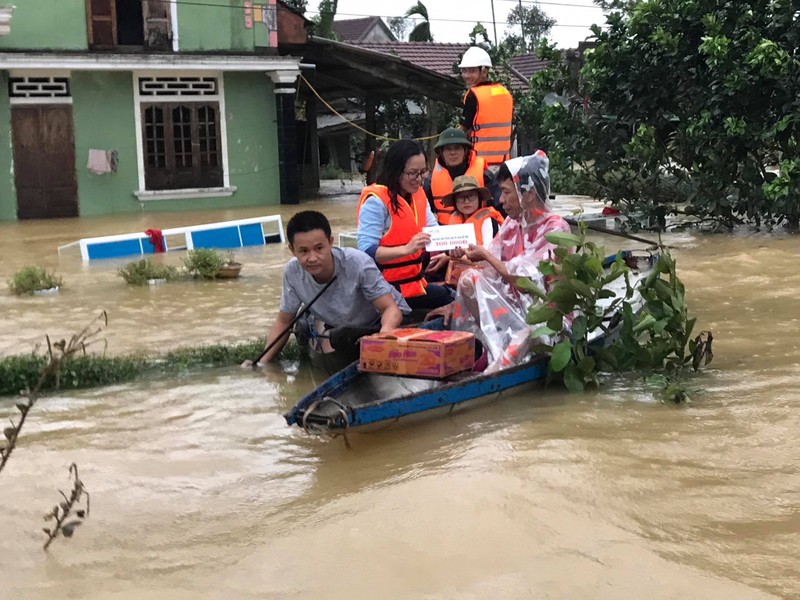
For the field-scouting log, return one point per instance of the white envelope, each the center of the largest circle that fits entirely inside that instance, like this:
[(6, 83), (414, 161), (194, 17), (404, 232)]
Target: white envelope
[(447, 237)]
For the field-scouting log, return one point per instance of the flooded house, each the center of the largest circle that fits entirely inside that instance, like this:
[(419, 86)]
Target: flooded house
[(121, 106)]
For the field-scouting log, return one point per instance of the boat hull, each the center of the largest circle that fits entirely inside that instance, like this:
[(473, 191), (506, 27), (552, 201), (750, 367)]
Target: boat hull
[(339, 404)]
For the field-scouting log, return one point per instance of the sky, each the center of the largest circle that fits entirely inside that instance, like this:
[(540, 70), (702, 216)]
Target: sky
[(573, 17)]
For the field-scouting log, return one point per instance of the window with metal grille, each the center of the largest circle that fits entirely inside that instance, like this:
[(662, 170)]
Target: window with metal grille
[(181, 145), (38, 87)]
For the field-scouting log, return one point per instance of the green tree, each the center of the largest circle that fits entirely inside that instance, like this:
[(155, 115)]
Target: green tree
[(532, 24), (323, 22), (422, 30), (679, 108), (398, 26), (298, 5)]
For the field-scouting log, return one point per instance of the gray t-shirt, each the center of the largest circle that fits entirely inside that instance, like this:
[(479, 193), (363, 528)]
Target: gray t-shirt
[(349, 300)]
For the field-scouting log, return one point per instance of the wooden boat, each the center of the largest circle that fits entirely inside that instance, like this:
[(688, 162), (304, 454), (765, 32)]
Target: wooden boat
[(351, 398)]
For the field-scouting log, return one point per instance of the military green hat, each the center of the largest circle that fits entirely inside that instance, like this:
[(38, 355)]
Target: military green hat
[(451, 135)]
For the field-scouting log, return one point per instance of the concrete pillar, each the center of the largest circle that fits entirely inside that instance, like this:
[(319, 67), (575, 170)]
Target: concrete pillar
[(285, 88)]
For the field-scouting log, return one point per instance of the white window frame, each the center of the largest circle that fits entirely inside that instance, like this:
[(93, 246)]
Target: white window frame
[(143, 194)]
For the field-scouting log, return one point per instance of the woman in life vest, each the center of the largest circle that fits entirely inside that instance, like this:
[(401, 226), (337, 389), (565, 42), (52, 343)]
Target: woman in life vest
[(488, 108), (390, 217), (455, 157)]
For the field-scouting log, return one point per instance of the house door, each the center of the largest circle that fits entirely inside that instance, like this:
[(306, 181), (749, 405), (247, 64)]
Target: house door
[(44, 161)]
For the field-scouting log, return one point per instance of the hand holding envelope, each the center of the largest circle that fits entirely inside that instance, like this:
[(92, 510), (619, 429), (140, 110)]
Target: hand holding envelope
[(447, 237)]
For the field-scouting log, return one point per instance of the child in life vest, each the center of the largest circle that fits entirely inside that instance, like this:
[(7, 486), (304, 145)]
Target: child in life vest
[(472, 205)]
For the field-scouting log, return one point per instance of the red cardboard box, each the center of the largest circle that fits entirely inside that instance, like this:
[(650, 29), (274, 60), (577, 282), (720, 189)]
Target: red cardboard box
[(418, 352)]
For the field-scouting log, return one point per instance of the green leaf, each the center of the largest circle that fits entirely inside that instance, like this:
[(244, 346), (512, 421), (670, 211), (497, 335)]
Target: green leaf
[(579, 325), (573, 380), (556, 322), (542, 331), (563, 240), (559, 359), (526, 285), (546, 268), (586, 365), (539, 314)]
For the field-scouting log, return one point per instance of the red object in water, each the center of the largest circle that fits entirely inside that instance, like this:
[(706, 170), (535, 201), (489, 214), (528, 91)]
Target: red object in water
[(157, 239), (609, 211)]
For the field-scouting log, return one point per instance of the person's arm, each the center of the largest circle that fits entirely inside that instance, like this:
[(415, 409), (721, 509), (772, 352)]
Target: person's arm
[(418, 242), (479, 253), (391, 317), (470, 110), (281, 323), (290, 303), (430, 218)]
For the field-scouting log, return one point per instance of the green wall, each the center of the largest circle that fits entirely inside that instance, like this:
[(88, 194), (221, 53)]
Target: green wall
[(103, 114), (252, 147), (8, 197), (252, 137), (47, 24), (61, 25), (218, 26)]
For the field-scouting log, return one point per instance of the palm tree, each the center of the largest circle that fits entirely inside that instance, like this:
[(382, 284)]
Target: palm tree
[(422, 31)]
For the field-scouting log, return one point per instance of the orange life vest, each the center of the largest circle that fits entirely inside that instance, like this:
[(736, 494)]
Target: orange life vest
[(477, 219), (491, 131), (404, 273), (442, 184)]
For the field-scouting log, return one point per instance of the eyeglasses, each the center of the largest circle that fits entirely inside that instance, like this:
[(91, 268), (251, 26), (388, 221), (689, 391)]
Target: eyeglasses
[(416, 174), (468, 197)]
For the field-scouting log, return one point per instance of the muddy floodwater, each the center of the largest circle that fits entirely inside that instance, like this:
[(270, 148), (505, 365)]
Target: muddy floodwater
[(199, 490)]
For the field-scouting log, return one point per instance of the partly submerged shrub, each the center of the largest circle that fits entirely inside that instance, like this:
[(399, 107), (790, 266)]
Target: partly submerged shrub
[(204, 262), (21, 371), (30, 279), (139, 272)]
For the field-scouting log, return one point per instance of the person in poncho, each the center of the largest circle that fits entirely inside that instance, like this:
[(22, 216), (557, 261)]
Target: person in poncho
[(488, 302)]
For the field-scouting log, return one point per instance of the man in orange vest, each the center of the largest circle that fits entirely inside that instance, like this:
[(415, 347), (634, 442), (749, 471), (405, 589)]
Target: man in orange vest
[(488, 109), (454, 158)]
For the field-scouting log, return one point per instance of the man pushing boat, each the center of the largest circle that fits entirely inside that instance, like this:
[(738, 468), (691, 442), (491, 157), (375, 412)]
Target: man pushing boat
[(341, 288)]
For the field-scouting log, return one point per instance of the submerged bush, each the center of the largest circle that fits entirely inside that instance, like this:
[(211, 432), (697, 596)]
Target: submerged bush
[(22, 371), (139, 272), (204, 263), (31, 279)]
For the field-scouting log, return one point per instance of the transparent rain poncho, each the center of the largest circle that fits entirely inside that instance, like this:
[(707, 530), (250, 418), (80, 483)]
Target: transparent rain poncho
[(486, 304)]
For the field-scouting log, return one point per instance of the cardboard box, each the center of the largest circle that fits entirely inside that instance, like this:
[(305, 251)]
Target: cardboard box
[(418, 353)]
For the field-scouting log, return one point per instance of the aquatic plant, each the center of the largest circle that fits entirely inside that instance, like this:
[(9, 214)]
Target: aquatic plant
[(64, 510), (18, 372), (657, 339), (204, 263), (31, 279), (139, 272)]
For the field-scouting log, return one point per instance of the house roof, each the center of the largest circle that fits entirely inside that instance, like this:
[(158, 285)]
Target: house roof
[(528, 64), (439, 58), (359, 69), (355, 30)]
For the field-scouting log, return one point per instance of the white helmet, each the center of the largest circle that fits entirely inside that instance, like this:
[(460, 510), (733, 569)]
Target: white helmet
[(475, 57)]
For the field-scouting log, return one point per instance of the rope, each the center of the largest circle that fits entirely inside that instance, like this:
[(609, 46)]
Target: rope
[(338, 114)]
